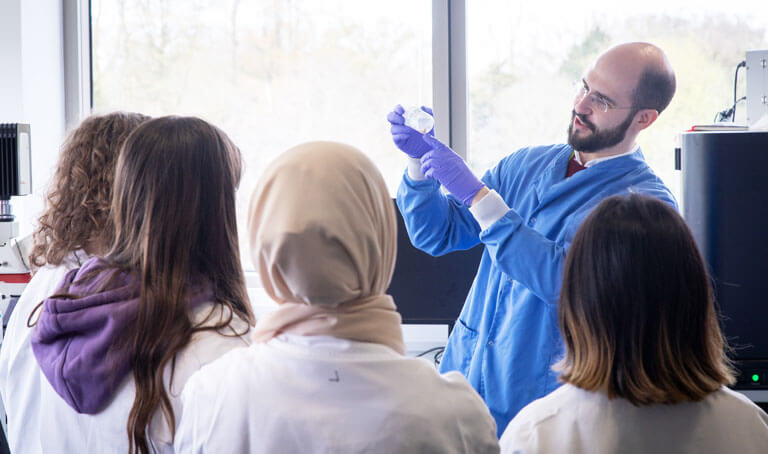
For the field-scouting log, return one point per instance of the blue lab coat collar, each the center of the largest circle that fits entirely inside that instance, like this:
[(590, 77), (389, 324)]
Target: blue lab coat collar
[(553, 184)]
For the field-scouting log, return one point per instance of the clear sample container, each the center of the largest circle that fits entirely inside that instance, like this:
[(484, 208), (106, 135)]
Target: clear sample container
[(419, 120)]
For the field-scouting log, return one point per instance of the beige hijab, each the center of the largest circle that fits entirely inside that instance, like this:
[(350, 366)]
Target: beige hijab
[(323, 235)]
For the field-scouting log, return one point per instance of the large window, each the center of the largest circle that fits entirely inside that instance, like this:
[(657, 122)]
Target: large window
[(524, 56), (272, 74), (276, 73)]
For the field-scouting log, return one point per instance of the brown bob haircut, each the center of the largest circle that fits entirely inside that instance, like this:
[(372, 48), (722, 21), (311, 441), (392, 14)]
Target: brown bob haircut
[(636, 309)]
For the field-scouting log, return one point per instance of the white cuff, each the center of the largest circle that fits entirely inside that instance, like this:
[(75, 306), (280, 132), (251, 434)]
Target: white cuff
[(489, 209), (414, 169)]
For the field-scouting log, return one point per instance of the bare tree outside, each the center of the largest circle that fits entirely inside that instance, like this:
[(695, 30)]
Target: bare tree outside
[(521, 73), (272, 74), (275, 73)]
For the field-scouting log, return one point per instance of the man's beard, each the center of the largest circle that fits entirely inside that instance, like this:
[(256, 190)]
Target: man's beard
[(599, 139)]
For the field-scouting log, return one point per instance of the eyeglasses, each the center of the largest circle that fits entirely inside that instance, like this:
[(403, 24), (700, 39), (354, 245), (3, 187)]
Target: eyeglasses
[(596, 101)]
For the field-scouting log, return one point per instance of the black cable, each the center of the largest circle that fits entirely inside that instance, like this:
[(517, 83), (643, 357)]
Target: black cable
[(426, 352), (742, 64), (723, 115), (436, 357), (439, 356)]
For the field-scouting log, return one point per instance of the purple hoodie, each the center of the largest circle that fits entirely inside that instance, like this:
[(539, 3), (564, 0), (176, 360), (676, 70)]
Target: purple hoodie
[(75, 339)]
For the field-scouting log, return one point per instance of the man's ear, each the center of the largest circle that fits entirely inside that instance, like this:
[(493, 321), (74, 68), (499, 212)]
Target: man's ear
[(645, 118)]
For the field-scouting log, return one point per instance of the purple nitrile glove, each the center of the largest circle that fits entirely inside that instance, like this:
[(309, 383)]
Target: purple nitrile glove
[(407, 139), (445, 166)]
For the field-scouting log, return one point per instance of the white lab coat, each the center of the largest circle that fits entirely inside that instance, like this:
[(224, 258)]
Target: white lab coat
[(573, 420), (20, 376), (41, 421), (319, 394)]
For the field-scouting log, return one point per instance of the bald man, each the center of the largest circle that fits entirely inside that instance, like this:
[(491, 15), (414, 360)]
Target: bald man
[(525, 211)]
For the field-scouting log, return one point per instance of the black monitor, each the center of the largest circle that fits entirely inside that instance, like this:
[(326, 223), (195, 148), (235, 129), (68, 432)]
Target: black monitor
[(427, 289)]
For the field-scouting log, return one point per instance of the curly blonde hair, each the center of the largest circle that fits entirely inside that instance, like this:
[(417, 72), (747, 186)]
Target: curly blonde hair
[(78, 202)]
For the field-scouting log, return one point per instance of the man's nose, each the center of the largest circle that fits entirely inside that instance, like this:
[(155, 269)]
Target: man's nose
[(583, 106)]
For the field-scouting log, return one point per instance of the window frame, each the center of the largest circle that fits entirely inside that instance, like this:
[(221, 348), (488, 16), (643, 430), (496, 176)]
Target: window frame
[(78, 73), (449, 68), (449, 75)]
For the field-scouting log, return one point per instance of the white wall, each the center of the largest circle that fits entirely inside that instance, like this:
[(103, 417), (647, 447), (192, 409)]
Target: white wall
[(32, 89), (10, 57)]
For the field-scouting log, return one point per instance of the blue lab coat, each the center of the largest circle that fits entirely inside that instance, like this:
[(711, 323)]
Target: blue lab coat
[(507, 338)]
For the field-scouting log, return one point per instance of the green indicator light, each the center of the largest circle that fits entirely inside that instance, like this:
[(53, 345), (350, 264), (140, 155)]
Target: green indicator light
[(755, 377)]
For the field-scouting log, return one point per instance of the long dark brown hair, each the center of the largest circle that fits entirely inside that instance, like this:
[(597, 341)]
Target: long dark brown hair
[(79, 199), (636, 309), (174, 213)]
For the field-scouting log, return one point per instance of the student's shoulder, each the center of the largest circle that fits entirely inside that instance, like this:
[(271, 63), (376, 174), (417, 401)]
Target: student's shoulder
[(541, 416), (44, 283), (562, 403), (557, 402), (449, 388), (218, 332), (47, 278), (455, 382), (737, 402), (235, 359), (230, 371), (452, 404)]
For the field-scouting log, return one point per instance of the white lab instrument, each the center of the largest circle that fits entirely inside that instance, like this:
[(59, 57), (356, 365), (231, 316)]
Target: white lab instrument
[(757, 85), (15, 180)]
